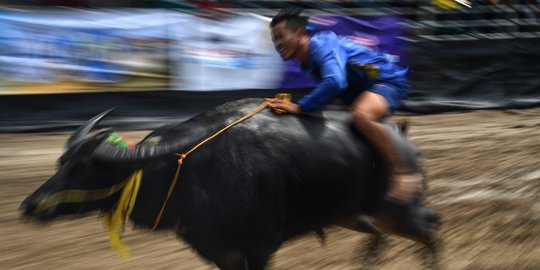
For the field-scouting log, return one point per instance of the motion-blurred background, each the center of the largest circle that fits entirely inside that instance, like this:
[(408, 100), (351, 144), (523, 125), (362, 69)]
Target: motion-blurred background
[(63, 61)]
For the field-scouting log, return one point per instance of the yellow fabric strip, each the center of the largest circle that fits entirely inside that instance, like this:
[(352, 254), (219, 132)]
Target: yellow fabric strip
[(119, 216), (77, 196)]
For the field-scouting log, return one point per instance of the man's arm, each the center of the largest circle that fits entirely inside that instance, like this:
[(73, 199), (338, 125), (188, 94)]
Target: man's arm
[(333, 75)]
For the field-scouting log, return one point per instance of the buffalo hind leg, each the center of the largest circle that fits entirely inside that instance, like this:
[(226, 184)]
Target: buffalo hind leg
[(414, 222), (370, 253)]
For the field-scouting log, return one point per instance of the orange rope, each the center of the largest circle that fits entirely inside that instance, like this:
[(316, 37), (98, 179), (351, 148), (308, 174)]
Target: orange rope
[(184, 155)]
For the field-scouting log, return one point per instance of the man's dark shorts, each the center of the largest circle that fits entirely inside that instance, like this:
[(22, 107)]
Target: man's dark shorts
[(393, 91)]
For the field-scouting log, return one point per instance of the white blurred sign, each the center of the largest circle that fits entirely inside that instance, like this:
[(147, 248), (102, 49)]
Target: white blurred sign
[(236, 53), (88, 50)]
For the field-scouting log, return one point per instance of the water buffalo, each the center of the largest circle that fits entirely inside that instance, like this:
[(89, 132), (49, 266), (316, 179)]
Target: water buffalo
[(244, 193)]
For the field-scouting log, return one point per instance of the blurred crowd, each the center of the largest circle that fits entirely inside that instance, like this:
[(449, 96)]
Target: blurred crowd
[(189, 4), (451, 16)]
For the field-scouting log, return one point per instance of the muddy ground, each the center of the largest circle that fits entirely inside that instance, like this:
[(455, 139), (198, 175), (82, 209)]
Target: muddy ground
[(484, 178)]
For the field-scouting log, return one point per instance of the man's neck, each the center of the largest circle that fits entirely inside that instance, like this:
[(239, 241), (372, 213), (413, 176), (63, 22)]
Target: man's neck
[(303, 52)]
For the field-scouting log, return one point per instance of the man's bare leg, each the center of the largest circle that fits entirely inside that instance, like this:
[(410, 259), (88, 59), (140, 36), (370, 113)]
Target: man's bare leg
[(367, 111)]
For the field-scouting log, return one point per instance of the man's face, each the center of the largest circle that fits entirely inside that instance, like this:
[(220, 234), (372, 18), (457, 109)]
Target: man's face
[(286, 42)]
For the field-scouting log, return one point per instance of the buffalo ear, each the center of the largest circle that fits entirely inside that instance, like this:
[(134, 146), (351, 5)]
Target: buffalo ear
[(87, 145), (102, 134), (95, 138), (81, 133)]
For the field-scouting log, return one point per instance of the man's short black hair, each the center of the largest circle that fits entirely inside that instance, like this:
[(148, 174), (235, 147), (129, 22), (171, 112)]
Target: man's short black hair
[(292, 19)]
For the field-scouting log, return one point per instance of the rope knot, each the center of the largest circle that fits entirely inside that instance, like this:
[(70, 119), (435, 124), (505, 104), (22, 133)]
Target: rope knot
[(181, 159)]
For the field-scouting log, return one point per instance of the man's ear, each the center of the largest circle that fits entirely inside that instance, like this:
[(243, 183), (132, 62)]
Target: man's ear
[(300, 32)]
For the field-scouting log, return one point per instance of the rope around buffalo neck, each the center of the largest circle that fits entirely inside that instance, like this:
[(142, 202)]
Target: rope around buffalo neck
[(116, 219), (184, 155)]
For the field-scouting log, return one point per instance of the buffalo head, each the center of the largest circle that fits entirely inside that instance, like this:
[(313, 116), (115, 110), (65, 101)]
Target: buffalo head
[(91, 172), (83, 182)]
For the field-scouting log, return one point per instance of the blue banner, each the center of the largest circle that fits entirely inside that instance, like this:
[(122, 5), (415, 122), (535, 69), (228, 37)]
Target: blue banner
[(78, 51)]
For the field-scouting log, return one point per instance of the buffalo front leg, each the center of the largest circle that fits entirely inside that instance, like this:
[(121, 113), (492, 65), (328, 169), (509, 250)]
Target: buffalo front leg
[(239, 261), (233, 260), (258, 261)]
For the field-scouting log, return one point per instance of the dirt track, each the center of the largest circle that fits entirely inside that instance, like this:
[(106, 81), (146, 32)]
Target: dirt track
[(484, 178)]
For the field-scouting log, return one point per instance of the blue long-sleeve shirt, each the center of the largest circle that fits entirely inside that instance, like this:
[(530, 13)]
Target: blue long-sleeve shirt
[(345, 69)]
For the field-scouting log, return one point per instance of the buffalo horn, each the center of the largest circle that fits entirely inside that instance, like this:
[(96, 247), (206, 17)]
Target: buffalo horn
[(112, 153), (83, 130)]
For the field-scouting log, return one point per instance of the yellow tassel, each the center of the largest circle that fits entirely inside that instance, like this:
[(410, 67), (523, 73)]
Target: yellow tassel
[(116, 219), (446, 4)]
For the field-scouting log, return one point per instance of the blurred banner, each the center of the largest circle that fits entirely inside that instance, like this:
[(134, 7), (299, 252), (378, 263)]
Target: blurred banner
[(231, 54), (72, 51), (57, 51), (377, 32)]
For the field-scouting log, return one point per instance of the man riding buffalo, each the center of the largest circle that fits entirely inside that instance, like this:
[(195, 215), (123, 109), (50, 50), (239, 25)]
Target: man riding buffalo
[(360, 77)]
